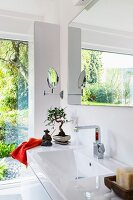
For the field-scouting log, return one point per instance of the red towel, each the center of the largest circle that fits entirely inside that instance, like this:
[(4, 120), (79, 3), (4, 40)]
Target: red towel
[(20, 152)]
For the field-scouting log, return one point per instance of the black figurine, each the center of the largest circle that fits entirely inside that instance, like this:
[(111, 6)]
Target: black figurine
[(46, 139)]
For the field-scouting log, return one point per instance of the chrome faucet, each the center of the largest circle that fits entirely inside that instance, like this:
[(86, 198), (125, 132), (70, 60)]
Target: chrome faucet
[(98, 147)]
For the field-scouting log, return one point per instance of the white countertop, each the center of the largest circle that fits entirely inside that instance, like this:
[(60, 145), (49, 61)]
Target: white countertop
[(57, 163)]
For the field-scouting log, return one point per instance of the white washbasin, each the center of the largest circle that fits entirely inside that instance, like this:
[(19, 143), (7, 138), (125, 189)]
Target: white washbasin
[(73, 173), (71, 165)]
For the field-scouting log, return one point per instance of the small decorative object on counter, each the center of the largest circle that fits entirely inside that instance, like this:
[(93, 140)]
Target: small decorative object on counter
[(58, 115), (46, 139)]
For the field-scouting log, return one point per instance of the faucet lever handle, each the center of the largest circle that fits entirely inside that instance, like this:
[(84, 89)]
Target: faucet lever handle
[(101, 148), (98, 150)]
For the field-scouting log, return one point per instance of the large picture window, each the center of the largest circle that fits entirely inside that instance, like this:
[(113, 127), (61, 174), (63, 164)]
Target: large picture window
[(109, 78), (13, 103)]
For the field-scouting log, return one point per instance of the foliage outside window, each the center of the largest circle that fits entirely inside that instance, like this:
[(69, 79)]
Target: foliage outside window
[(3, 170), (109, 78), (13, 100)]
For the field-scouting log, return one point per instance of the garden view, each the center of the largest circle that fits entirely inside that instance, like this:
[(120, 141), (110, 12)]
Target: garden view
[(109, 78), (13, 103)]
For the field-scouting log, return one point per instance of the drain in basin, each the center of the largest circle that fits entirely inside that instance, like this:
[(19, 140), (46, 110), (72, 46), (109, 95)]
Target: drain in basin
[(79, 177)]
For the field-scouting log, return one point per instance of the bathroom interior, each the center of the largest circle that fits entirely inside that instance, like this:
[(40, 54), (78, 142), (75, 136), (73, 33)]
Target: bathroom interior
[(59, 34)]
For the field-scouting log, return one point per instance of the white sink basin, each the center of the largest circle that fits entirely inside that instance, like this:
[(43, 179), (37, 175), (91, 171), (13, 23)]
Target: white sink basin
[(73, 173), (71, 164)]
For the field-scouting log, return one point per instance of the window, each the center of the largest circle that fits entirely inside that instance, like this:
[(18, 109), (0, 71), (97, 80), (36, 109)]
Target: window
[(109, 78), (13, 103)]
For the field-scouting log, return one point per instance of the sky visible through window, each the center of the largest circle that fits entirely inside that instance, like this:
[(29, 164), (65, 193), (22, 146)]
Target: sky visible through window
[(110, 60)]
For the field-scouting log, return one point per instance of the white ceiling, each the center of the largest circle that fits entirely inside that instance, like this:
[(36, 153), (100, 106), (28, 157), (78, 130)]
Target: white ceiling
[(113, 14), (17, 16), (34, 7)]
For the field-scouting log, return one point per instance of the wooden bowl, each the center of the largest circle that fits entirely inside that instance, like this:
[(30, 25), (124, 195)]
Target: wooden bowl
[(110, 182)]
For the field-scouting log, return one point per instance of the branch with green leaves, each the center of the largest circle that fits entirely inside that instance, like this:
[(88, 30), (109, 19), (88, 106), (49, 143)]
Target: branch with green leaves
[(56, 115)]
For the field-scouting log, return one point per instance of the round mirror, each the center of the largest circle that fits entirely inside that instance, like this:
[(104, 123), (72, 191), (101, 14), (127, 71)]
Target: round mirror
[(82, 79), (53, 78)]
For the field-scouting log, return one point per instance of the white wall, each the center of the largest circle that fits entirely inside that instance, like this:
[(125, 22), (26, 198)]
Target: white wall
[(46, 54), (67, 13), (74, 59), (115, 123)]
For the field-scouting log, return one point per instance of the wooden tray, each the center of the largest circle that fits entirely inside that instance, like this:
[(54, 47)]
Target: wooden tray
[(110, 182)]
